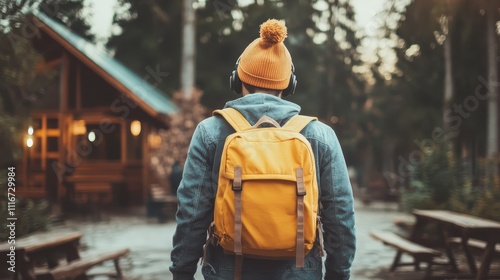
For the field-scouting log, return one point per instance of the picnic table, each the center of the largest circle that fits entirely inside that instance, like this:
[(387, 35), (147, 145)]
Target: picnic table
[(40, 256), (464, 228)]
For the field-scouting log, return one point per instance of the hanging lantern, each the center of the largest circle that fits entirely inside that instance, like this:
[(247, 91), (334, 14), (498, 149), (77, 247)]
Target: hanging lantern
[(29, 142), (135, 127), (154, 140), (91, 136)]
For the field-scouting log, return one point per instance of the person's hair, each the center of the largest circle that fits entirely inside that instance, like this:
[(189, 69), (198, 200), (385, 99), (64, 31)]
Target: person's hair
[(253, 89)]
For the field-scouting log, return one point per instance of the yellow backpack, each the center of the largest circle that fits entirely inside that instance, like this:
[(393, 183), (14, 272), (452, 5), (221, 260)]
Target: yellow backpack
[(267, 198)]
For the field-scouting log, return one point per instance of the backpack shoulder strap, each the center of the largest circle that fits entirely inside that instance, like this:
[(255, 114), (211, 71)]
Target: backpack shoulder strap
[(298, 122), (234, 118)]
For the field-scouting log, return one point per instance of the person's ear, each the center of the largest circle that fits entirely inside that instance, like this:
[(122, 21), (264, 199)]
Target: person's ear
[(244, 90)]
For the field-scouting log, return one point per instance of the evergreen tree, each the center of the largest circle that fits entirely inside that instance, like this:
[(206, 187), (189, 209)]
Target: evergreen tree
[(412, 104), (322, 40), (224, 29), (150, 38), (20, 85)]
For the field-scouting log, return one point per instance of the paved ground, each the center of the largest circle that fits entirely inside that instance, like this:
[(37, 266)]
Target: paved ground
[(150, 243)]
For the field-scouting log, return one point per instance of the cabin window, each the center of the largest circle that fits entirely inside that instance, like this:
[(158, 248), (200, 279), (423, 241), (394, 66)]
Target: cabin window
[(97, 144), (52, 144), (52, 123)]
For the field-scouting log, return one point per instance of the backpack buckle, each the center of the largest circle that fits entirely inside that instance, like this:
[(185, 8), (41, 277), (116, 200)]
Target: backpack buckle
[(301, 189), (213, 238), (237, 179)]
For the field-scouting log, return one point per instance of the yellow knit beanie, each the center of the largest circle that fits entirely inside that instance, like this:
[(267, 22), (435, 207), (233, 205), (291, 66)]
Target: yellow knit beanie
[(266, 62)]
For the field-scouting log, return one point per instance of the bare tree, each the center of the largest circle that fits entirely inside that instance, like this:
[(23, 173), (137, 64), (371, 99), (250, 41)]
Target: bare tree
[(449, 86), (446, 21), (188, 48), (492, 144)]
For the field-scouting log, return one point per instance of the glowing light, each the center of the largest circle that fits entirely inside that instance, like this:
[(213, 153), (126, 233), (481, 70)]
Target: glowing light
[(135, 127), (154, 140), (91, 136), (334, 119), (30, 130), (29, 142), (79, 127)]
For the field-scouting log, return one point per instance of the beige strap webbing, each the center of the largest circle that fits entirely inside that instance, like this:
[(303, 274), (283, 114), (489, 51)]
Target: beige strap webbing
[(238, 249), (234, 118), (301, 192), (298, 122), (238, 268)]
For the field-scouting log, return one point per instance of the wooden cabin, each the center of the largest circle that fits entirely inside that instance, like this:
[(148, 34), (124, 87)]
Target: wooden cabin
[(93, 131)]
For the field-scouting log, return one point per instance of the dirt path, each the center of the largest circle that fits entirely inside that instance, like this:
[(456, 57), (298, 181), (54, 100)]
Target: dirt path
[(150, 243)]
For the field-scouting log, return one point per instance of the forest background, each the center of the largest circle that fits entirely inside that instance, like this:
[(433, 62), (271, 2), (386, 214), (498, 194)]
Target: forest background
[(416, 113)]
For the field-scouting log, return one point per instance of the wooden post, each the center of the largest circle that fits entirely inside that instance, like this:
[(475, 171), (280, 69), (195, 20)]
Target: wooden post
[(63, 108), (78, 86), (67, 133), (25, 165), (43, 137), (145, 161), (124, 140)]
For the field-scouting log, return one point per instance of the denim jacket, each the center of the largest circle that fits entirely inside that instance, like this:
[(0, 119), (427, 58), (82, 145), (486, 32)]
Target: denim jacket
[(197, 191)]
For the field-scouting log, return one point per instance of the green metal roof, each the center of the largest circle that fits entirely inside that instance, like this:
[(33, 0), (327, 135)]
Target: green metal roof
[(152, 96)]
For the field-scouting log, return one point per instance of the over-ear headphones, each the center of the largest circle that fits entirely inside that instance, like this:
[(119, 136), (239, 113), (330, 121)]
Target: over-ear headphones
[(235, 82)]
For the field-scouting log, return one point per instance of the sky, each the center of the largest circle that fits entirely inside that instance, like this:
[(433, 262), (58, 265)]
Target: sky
[(101, 17)]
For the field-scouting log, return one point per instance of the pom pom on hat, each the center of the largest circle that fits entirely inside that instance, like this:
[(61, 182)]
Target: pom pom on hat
[(266, 62), (273, 31)]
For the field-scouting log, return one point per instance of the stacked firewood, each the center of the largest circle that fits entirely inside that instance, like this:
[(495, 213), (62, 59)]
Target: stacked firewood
[(175, 141)]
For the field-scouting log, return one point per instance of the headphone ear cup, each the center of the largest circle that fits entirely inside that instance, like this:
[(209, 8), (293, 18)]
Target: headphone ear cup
[(235, 82), (292, 85)]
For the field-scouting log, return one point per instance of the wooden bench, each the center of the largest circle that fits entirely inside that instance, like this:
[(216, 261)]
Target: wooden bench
[(473, 243), (457, 224), (93, 182), (80, 266), (99, 193), (55, 255), (162, 204), (418, 252)]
